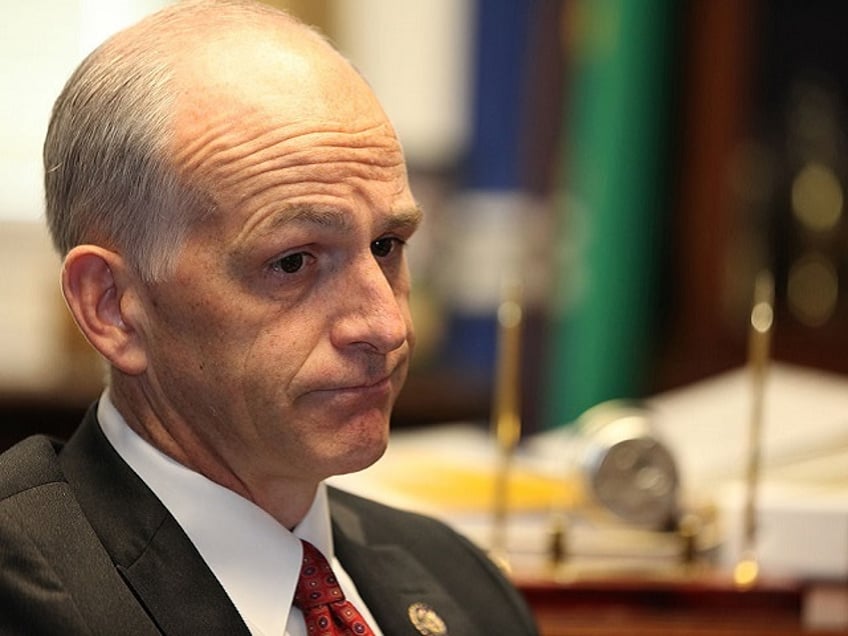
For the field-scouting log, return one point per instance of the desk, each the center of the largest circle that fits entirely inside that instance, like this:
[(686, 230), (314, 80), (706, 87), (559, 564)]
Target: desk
[(706, 605)]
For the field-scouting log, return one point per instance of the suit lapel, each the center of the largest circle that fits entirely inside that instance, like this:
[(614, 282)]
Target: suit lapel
[(149, 548), (177, 587), (390, 580)]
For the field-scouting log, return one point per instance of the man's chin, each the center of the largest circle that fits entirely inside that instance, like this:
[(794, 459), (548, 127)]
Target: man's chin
[(367, 439), (359, 459)]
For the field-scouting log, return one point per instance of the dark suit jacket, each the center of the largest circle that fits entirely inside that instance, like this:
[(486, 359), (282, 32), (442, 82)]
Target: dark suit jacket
[(87, 548)]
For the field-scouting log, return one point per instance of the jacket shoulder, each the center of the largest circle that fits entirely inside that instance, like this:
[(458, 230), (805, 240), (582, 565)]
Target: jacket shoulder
[(28, 464), (55, 575)]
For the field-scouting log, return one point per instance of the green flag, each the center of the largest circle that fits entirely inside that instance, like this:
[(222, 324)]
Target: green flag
[(612, 202)]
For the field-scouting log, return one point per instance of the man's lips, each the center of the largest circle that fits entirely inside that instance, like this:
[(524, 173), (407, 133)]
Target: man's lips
[(377, 382), (364, 385), (378, 379)]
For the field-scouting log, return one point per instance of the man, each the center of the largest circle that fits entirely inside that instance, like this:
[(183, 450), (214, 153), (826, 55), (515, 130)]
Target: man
[(232, 207)]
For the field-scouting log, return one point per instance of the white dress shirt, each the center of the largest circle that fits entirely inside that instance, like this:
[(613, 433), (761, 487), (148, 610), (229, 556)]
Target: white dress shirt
[(256, 560)]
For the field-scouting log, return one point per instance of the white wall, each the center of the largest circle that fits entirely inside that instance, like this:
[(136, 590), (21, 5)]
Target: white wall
[(416, 56), (41, 42)]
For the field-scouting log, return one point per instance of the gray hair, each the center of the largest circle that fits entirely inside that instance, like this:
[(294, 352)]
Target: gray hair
[(109, 178)]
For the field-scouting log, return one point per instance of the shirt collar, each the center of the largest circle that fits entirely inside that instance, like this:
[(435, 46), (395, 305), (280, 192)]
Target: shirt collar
[(256, 560)]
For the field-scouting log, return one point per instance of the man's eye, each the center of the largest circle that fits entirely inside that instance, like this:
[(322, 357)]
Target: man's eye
[(384, 246), (290, 264)]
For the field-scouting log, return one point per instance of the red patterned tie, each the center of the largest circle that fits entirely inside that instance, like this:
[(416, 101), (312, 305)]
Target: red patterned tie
[(322, 601)]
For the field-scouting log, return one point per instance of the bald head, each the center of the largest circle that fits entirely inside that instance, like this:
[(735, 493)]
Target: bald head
[(262, 86), (116, 173)]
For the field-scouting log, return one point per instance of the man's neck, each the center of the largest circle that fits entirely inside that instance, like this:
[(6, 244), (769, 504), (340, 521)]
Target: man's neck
[(286, 500)]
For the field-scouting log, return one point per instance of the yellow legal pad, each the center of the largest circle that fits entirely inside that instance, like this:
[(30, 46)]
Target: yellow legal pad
[(451, 469), (439, 482)]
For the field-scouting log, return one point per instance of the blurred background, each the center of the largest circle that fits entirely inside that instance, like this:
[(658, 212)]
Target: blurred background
[(634, 163)]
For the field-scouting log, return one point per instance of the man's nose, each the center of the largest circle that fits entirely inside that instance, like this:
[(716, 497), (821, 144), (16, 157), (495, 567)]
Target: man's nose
[(374, 314)]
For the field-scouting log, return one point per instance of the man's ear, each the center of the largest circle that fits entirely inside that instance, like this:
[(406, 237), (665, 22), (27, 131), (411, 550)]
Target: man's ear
[(104, 298)]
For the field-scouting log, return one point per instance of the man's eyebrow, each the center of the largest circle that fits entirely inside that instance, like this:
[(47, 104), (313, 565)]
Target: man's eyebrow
[(297, 214), (404, 220)]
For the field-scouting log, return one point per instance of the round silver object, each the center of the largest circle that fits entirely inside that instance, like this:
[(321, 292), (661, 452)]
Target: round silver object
[(628, 470)]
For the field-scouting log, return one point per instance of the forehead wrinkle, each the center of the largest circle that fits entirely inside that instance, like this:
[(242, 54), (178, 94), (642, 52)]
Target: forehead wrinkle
[(338, 164), (236, 135), (281, 154), (261, 183)]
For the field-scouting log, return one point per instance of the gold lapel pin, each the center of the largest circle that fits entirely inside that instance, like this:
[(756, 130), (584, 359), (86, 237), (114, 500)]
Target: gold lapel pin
[(426, 621)]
